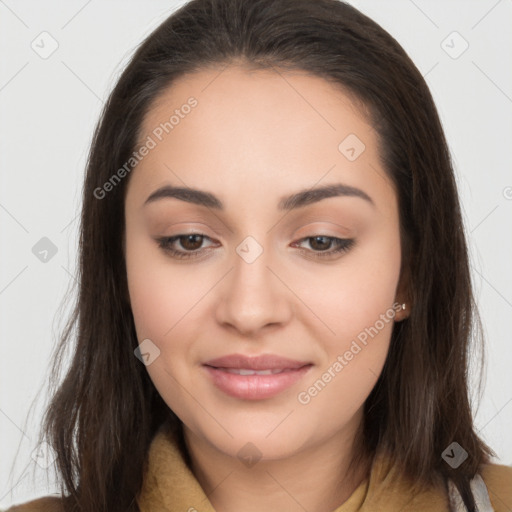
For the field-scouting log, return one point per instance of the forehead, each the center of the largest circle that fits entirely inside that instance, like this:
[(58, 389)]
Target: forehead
[(242, 101), (260, 129)]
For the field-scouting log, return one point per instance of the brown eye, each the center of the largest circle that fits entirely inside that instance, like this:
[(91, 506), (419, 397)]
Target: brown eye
[(191, 242), (323, 246), (321, 243), (184, 246)]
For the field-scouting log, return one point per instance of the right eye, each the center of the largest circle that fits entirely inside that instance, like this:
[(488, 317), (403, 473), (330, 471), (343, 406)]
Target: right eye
[(190, 242)]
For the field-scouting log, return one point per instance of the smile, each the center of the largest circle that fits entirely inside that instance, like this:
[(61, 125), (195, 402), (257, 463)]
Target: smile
[(248, 384)]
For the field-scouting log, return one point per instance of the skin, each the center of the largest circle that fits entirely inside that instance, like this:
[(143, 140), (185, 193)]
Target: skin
[(255, 137)]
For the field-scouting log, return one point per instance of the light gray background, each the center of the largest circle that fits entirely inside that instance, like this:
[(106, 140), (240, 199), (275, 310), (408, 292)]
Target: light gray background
[(48, 108)]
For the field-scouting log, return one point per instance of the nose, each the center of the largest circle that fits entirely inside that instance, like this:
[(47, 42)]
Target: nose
[(254, 296)]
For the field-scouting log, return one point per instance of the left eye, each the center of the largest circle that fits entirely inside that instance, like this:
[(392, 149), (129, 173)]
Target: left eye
[(192, 245), (323, 245)]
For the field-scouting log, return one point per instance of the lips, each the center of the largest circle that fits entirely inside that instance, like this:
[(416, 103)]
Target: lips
[(257, 363), (255, 378), (247, 371)]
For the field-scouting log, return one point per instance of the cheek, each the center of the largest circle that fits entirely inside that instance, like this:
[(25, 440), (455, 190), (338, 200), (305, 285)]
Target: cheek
[(355, 301), (160, 299), (350, 296), (162, 304)]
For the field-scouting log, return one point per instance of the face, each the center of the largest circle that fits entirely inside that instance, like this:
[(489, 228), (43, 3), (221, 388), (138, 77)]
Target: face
[(268, 261)]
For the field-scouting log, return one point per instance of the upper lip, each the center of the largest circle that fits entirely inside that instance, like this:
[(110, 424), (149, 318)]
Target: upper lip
[(262, 362)]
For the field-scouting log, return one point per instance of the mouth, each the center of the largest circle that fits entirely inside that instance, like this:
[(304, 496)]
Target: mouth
[(255, 378), (247, 371)]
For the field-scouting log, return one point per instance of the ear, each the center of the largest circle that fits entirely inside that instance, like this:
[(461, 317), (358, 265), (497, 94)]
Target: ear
[(403, 296)]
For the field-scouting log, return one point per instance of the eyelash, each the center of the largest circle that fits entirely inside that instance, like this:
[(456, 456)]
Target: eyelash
[(343, 245)]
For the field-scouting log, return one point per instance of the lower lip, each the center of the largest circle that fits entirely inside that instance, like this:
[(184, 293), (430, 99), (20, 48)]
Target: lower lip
[(255, 387)]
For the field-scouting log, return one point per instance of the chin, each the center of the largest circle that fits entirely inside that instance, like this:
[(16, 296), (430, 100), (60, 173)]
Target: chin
[(256, 443)]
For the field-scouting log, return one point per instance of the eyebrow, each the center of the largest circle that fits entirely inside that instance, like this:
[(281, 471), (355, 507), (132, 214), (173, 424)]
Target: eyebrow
[(296, 200)]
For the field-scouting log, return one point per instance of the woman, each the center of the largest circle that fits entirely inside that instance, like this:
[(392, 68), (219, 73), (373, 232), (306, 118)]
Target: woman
[(275, 304)]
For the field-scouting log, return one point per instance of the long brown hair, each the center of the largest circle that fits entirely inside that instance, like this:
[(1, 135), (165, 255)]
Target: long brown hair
[(105, 411)]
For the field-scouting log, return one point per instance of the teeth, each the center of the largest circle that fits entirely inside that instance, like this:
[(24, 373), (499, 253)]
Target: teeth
[(244, 371)]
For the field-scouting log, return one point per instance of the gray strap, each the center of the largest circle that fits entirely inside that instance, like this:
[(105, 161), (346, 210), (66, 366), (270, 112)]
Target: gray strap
[(480, 493)]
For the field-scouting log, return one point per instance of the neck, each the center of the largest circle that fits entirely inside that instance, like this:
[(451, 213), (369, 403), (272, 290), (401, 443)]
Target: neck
[(316, 478)]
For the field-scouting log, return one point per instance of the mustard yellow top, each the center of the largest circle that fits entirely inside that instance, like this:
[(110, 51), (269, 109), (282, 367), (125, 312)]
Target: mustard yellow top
[(170, 486)]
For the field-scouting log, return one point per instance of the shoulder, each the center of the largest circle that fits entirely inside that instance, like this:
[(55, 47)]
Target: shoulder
[(45, 504), (498, 480)]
